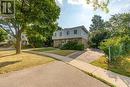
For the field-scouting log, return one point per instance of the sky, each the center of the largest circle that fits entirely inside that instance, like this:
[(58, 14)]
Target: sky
[(77, 12)]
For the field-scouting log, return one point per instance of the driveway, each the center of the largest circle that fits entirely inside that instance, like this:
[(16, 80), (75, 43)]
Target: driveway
[(54, 74), (87, 56)]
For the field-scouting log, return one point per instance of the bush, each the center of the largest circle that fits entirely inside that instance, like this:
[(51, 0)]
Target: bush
[(119, 46), (72, 45), (98, 36)]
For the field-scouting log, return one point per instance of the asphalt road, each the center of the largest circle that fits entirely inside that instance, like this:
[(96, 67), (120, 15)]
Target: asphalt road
[(54, 74)]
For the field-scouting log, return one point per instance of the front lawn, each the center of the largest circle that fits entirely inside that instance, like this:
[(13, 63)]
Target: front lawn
[(11, 62), (55, 51), (62, 52), (45, 49), (122, 67)]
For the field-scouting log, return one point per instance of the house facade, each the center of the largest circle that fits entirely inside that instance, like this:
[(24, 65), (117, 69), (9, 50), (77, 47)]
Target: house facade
[(79, 34), (24, 39)]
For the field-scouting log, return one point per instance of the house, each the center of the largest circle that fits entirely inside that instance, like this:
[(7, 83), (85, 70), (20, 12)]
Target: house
[(24, 38), (79, 34)]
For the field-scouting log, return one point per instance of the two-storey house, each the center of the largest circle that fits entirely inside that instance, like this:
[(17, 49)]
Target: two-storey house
[(79, 34)]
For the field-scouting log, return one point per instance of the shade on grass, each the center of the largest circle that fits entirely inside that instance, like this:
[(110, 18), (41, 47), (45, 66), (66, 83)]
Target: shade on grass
[(11, 62), (121, 67)]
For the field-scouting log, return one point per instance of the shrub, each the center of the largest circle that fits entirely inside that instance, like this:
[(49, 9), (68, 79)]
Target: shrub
[(97, 36), (72, 45), (119, 46)]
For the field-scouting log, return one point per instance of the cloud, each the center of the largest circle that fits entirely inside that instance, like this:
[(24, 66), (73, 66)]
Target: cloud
[(82, 3), (76, 2), (59, 2)]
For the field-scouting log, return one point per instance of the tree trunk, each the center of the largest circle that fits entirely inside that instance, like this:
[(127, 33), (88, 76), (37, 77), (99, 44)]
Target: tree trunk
[(18, 42)]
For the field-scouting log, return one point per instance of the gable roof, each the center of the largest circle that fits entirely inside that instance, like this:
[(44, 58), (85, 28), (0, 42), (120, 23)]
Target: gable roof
[(78, 27)]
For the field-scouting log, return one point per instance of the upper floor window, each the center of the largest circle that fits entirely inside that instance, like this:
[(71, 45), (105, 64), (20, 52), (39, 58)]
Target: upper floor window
[(68, 32), (60, 33), (55, 34), (75, 31)]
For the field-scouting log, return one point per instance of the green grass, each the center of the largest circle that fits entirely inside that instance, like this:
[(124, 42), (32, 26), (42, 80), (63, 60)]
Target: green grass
[(55, 51), (62, 52), (45, 49), (10, 62), (121, 67)]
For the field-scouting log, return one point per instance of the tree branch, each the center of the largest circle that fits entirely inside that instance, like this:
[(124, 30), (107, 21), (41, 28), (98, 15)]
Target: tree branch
[(12, 34)]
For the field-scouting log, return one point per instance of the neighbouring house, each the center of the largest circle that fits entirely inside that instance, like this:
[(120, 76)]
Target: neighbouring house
[(24, 38), (79, 34)]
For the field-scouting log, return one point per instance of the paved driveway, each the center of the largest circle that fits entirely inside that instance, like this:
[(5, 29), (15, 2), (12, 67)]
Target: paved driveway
[(86, 56), (54, 74)]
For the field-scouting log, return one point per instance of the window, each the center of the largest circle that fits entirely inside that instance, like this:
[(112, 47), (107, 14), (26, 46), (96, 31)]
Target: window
[(68, 32), (55, 34), (75, 31), (60, 33)]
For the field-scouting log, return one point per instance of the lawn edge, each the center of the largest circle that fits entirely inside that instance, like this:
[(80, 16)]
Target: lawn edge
[(37, 53), (96, 77)]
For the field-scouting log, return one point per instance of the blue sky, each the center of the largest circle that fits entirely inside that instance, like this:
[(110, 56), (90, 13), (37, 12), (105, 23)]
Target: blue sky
[(77, 12)]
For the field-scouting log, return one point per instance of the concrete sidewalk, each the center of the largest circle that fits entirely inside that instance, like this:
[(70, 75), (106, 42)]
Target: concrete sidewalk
[(111, 77)]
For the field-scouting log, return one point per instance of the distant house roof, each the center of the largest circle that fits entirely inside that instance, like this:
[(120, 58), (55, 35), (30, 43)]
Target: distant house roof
[(78, 27)]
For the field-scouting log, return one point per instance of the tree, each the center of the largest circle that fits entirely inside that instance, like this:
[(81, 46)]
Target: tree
[(41, 36), (49, 41), (3, 35), (120, 24), (29, 13), (96, 37), (102, 4), (119, 41), (119, 46), (97, 23)]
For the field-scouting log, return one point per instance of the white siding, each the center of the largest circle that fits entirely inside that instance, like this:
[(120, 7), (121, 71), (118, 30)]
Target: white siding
[(80, 34)]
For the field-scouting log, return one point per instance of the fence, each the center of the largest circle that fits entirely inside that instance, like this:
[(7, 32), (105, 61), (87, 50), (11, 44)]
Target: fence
[(118, 51)]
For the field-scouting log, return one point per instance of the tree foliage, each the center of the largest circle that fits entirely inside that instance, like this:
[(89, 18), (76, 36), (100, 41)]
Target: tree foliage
[(40, 13), (118, 46), (3, 35), (119, 42), (102, 4), (39, 36), (97, 23), (120, 24), (98, 36)]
